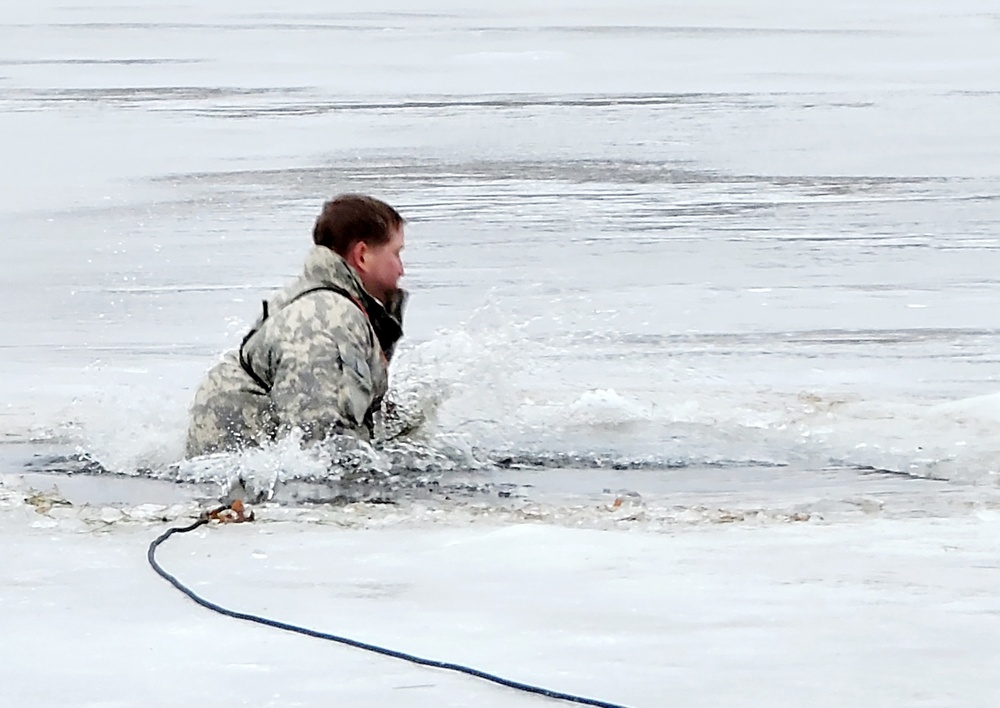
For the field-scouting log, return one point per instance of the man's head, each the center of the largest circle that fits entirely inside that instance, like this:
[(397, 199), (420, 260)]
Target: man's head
[(368, 234)]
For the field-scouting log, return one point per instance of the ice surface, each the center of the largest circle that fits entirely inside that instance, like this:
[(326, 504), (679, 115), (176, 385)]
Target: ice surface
[(870, 611), (703, 323)]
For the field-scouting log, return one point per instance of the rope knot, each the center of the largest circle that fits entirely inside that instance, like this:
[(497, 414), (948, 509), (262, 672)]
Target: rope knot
[(235, 513)]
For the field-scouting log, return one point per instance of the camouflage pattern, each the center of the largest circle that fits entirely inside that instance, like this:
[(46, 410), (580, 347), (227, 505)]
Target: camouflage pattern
[(318, 357)]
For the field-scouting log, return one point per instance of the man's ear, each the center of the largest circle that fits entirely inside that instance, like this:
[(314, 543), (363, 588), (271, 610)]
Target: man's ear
[(356, 255)]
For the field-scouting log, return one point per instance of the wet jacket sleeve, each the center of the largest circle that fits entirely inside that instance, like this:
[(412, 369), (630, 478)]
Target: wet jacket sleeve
[(322, 381)]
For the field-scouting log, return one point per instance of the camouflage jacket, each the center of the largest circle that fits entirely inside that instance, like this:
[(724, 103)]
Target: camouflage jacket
[(316, 360)]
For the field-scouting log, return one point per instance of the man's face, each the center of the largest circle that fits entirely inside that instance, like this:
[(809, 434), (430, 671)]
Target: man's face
[(381, 267)]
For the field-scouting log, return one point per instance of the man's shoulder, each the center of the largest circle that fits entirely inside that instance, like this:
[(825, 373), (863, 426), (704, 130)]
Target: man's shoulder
[(324, 309)]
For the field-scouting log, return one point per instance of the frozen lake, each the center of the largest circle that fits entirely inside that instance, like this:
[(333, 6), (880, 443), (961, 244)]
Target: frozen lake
[(671, 264), (653, 233)]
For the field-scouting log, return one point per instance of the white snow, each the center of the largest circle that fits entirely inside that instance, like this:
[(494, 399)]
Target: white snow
[(871, 610)]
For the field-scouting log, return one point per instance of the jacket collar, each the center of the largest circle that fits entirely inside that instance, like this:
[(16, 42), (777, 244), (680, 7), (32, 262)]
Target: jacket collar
[(325, 267)]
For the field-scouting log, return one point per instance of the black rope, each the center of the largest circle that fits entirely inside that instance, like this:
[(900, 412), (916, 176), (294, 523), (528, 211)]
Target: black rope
[(151, 557)]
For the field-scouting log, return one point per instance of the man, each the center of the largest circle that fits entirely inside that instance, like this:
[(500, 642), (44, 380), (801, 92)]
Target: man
[(316, 360)]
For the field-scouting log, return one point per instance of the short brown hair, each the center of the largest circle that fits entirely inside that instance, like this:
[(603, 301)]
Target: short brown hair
[(349, 218)]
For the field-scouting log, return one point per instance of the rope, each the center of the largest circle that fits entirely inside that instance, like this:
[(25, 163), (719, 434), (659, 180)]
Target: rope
[(151, 557)]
